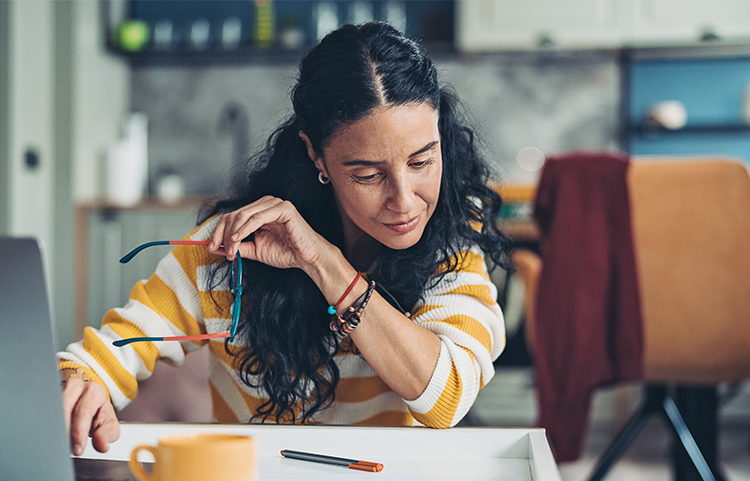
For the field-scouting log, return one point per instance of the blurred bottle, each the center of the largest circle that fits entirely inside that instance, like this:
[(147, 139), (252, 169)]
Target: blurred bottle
[(264, 33), (292, 36), (170, 186), (395, 15), (164, 34), (360, 12), (127, 162), (200, 34), (325, 19), (231, 33)]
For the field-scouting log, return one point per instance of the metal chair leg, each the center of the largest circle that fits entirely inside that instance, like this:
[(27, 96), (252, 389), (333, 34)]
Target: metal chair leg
[(651, 405), (678, 423)]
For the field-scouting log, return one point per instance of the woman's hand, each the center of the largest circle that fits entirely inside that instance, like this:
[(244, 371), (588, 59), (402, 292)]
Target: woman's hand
[(281, 237), (88, 412)]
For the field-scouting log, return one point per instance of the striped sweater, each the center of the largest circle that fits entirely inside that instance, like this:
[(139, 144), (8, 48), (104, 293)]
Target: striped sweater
[(461, 310)]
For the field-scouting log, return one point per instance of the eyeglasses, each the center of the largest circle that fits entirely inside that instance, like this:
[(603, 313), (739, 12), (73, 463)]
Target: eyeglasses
[(236, 283)]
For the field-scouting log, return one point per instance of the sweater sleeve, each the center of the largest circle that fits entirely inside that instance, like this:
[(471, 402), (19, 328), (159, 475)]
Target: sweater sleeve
[(462, 310), (167, 304)]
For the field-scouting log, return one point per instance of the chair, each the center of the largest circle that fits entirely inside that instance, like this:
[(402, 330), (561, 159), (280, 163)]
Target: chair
[(528, 266), (690, 221)]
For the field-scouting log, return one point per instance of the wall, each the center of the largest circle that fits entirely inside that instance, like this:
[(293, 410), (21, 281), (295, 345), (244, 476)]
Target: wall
[(4, 116), (61, 97), (101, 91), (556, 102), (31, 126)]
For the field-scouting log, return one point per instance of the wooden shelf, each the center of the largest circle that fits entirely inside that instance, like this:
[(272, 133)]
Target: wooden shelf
[(652, 130), (238, 56), (193, 202)]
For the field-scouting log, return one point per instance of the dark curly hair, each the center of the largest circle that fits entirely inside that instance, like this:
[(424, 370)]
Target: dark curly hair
[(288, 348)]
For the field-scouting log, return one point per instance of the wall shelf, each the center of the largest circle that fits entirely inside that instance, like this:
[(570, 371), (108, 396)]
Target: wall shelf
[(652, 130), (431, 22)]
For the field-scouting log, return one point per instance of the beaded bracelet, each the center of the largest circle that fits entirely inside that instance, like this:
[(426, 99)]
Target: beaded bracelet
[(349, 320), (333, 308)]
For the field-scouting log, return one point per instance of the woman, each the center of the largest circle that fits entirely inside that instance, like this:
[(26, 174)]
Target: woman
[(373, 178)]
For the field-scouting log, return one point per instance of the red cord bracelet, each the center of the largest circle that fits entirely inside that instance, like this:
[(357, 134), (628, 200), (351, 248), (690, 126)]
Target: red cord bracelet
[(332, 309)]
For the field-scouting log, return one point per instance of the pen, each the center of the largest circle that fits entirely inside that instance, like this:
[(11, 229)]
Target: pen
[(320, 458)]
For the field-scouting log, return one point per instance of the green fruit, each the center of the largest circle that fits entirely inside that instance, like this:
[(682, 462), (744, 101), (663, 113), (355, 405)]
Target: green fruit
[(133, 35)]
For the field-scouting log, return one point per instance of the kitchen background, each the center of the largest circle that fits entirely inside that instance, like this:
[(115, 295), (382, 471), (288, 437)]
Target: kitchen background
[(552, 102), (538, 77)]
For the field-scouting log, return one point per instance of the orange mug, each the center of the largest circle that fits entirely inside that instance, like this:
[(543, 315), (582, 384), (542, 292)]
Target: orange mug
[(198, 457)]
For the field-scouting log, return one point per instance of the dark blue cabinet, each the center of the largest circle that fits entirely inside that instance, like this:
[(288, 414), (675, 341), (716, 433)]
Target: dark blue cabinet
[(241, 31)]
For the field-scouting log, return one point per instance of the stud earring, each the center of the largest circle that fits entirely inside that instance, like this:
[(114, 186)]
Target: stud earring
[(322, 178)]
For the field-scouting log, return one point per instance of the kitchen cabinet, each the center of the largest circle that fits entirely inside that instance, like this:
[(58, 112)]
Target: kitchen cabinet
[(486, 25), (665, 22)]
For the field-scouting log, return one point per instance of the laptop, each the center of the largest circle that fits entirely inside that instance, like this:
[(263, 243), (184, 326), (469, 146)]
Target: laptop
[(33, 440)]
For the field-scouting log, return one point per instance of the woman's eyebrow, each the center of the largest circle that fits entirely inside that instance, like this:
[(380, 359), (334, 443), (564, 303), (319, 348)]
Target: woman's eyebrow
[(358, 162), (425, 148)]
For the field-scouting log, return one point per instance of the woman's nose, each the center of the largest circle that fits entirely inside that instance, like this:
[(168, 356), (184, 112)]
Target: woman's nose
[(401, 195)]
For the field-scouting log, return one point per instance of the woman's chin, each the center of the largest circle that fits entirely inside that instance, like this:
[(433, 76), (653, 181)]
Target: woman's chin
[(401, 242)]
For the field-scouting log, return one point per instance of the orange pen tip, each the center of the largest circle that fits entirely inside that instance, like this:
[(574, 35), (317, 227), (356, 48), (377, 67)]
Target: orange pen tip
[(360, 467), (377, 466)]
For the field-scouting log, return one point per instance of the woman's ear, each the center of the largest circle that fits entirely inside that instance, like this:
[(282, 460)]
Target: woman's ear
[(318, 161)]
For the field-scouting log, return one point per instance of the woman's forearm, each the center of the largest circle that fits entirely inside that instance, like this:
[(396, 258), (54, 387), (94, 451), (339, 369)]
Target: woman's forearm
[(402, 353)]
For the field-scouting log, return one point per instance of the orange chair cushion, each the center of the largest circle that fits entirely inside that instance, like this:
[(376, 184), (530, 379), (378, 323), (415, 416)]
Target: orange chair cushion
[(691, 229)]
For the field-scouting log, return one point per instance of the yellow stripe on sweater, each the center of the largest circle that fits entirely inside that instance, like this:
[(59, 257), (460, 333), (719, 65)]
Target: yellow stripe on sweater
[(472, 262), (157, 291), (424, 309), (218, 350), (471, 356), (222, 412), (466, 261), (216, 304), (125, 381), (147, 351), (480, 291), (360, 389), (442, 413), (471, 327)]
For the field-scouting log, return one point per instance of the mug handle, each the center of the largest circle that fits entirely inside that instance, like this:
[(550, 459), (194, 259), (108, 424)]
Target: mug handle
[(136, 467)]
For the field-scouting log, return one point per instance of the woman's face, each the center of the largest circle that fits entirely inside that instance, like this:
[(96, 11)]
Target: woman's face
[(385, 172)]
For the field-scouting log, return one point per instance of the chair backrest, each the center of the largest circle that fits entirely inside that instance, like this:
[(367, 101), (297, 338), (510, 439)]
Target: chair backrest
[(691, 233)]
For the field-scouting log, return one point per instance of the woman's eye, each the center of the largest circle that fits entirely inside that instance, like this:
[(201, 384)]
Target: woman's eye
[(366, 178), (422, 163)]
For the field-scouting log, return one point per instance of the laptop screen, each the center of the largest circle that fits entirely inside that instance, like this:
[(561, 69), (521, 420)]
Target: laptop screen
[(33, 441)]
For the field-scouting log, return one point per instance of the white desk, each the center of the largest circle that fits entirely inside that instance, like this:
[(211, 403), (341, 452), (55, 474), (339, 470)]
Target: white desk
[(470, 454)]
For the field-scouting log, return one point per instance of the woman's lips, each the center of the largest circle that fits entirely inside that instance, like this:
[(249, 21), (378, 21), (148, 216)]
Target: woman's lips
[(404, 227)]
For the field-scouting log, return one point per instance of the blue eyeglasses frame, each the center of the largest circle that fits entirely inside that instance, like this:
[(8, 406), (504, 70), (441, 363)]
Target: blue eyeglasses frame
[(236, 289)]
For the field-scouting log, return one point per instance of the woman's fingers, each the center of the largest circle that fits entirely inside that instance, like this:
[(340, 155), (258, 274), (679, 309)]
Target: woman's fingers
[(71, 393), (216, 238), (105, 428), (282, 238), (237, 225), (244, 225), (89, 412)]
